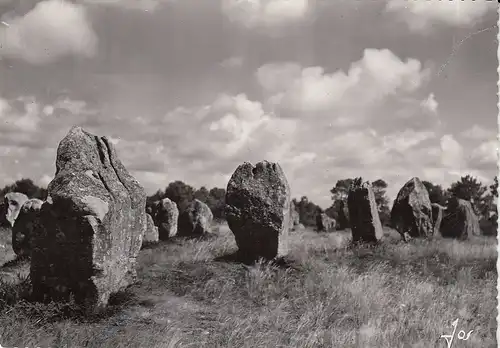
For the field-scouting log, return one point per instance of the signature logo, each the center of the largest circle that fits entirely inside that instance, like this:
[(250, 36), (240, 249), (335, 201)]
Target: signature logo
[(461, 334)]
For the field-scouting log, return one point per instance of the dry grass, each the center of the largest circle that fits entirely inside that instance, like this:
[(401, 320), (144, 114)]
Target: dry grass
[(394, 295)]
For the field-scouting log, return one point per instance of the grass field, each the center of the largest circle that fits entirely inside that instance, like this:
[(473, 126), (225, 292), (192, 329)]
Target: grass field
[(394, 295)]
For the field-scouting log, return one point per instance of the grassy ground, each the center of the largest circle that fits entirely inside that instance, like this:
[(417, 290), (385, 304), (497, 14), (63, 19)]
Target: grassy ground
[(395, 295)]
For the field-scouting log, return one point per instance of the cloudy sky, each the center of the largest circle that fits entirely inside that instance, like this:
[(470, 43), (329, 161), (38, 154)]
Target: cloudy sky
[(188, 90)]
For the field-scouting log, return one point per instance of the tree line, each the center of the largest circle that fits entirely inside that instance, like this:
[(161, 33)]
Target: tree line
[(482, 197)]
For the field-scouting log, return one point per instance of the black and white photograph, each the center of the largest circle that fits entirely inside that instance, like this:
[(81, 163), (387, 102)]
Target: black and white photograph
[(249, 173)]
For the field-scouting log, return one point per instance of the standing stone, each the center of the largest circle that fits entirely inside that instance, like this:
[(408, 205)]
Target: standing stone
[(22, 231), (437, 218), (196, 220), (151, 234), (165, 215), (459, 220), (363, 213), (343, 216), (13, 201), (258, 210), (325, 223), (91, 226), (294, 217), (412, 212)]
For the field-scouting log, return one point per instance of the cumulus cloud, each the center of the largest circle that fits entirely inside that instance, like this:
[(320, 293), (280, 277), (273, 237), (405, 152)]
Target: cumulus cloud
[(477, 132), (144, 5), (266, 13), (452, 153), (52, 29), (377, 75), (21, 115), (232, 62), (430, 104), (422, 15), (485, 154), (202, 145)]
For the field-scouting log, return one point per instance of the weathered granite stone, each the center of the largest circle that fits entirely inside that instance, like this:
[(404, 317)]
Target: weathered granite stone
[(151, 234), (91, 225), (363, 214), (13, 201), (22, 231), (165, 215), (412, 212), (325, 223), (258, 210), (459, 220), (437, 218), (196, 220)]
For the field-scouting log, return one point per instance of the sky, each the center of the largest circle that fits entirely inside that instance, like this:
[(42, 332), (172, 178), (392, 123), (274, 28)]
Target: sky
[(188, 90)]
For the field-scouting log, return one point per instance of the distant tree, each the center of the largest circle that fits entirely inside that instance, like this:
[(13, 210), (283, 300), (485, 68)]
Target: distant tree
[(338, 209), (158, 195), (217, 202), (202, 194), (494, 187), (307, 211), (26, 186), (341, 190), (470, 189), (436, 193), (379, 190), (180, 193)]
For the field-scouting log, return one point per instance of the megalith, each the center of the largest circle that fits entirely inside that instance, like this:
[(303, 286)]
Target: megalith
[(459, 220), (324, 223), (437, 218), (195, 220), (165, 215), (411, 213), (13, 201), (91, 225), (363, 213), (22, 231), (258, 210), (151, 234)]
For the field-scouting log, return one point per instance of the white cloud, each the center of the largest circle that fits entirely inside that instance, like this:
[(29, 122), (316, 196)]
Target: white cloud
[(477, 132), (422, 15), (452, 153), (232, 62), (430, 104), (486, 153), (265, 13), (377, 75), (144, 5), (25, 120), (53, 28)]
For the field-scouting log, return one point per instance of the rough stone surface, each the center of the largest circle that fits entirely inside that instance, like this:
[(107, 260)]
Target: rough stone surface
[(294, 217), (459, 220), (196, 220), (300, 227), (22, 231), (343, 218), (437, 218), (363, 214), (325, 223), (91, 225), (412, 212), (165, 215), (151, 235), (13, 201), (258, 210)]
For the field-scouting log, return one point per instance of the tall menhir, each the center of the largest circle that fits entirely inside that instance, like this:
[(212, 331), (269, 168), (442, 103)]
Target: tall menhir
[(258, 210), (91, 226)]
